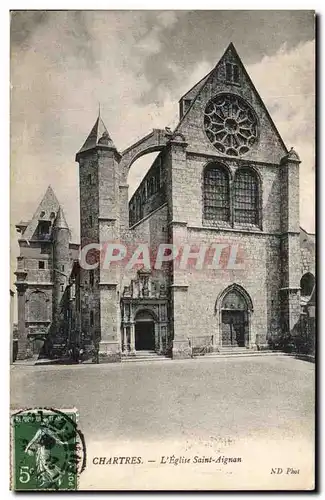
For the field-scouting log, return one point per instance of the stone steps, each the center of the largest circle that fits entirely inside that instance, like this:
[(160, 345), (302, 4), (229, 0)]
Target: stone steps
[(234, 349), (144, 356), (241, 353), (56, 361)]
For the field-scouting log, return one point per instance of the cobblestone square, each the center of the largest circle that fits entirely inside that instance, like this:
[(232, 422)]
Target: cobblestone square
[(227, 397)]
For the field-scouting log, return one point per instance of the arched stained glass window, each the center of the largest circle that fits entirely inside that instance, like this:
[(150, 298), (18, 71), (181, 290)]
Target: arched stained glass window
[(216, 194), (246, 197)]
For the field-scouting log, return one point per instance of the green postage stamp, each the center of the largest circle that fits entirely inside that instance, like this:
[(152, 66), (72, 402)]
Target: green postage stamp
[(47, 450)]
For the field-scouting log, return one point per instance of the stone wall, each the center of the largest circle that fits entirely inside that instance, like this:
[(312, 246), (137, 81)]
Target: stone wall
[(89, 233), (205, 285), (151, 193), (151, 231), (307, 249)]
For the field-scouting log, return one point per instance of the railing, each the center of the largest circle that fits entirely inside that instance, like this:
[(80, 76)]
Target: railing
[(44, 236), (199, 349)]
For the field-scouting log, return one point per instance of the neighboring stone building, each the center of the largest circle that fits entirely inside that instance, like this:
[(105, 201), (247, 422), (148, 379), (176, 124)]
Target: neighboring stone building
[(43, 270), (222, 176)]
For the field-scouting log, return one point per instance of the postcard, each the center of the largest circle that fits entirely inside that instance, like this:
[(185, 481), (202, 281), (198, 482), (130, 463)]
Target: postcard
[(163, 299)]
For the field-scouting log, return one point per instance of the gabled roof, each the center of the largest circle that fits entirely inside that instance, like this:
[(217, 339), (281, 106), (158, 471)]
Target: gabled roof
[(21, 226), (98, 136), (47, 210), (190, 94), (208, 78)]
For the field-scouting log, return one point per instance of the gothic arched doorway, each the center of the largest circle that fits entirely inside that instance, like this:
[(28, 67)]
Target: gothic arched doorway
[(235, 310), (144, 331)]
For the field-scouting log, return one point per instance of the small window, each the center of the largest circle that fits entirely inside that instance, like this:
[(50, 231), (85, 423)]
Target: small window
[(42, 214), (158, 178), (232, 73), (62, 268), (132, 214), (90, 220), (41, 264), (186, 105), (91, 277), (155, 188), (235, 73), (139, 207), (62, 287), (89, 178), (228, 72), (52, 215), (151, 186), (91, 318)]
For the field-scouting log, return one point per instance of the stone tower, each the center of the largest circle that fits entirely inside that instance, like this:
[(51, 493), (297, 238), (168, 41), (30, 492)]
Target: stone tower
[(99, 223), (290, 242), (61, 263)]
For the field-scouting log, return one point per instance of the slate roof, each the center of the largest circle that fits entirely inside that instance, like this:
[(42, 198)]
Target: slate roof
[(60, 222), (98, 136)]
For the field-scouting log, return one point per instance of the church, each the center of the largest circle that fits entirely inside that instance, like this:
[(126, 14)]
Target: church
[(222, 177)]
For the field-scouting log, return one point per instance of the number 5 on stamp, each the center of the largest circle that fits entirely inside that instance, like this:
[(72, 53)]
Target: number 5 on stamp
[(47, 452)]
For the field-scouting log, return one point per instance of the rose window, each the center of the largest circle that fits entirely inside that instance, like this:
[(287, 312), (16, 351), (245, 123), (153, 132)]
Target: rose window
[(230, 124)]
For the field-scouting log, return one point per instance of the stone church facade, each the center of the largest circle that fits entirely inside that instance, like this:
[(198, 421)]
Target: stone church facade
[(223, 176)]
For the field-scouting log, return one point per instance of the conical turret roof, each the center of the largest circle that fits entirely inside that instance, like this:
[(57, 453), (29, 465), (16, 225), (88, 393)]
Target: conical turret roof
[(98, 136), (60, 222)]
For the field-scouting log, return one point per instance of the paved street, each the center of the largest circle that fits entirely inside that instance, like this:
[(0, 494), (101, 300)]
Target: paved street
[(234, 397)]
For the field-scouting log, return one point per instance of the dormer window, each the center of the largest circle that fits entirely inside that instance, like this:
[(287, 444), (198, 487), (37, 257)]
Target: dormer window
[(43, 229), (41, 215), (232, 73), (186, 105)]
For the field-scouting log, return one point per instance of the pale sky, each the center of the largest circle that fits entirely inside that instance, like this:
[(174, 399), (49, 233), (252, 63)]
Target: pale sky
[(137, 65)]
